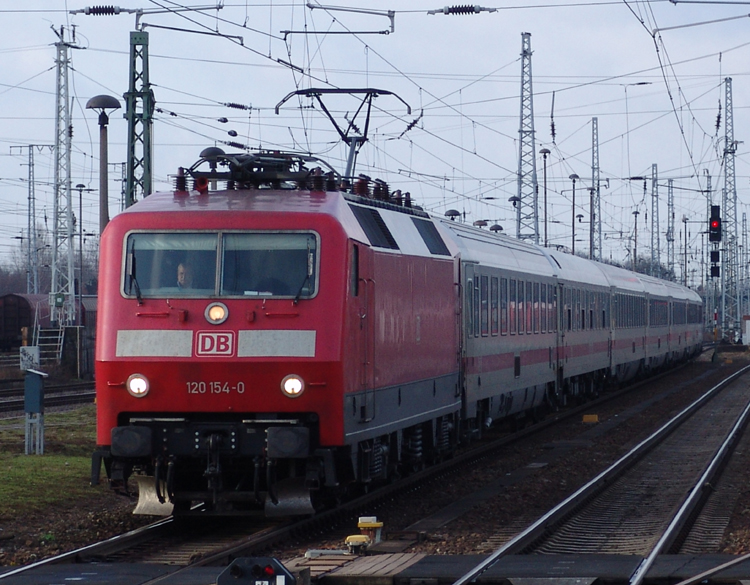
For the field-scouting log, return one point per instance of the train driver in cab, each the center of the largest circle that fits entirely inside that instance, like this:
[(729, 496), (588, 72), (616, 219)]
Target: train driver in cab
[(184, 276)]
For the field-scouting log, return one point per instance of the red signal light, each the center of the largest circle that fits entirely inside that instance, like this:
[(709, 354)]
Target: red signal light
[(714, 223)]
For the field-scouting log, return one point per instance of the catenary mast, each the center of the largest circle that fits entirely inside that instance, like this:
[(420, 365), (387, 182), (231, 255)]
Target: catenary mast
[(527, 206), (730, 305), (62, 301)]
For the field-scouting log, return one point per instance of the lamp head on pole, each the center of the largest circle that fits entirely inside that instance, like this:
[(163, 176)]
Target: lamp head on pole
[(102, 103)]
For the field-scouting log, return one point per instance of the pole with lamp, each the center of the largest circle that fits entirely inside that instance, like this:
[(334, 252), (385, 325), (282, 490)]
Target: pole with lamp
[(573, 178), (102, 103), (545, 152)]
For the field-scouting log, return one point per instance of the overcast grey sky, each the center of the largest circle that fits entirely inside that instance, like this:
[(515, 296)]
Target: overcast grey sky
[(656, 96)]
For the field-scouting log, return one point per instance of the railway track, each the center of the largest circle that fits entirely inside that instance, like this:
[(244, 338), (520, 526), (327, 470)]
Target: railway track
[(639, 505), (174, 543), (12, 399)]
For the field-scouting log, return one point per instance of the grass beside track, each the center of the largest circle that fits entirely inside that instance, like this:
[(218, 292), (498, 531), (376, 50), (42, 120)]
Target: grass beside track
[(30, 483)]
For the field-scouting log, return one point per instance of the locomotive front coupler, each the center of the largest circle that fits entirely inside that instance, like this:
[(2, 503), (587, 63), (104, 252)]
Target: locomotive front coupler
[(213, 467)]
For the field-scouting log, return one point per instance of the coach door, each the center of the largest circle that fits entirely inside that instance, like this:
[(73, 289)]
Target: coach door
[(366, 298)]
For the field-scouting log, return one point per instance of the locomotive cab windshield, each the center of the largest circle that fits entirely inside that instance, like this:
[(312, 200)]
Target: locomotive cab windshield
[(225, 264)]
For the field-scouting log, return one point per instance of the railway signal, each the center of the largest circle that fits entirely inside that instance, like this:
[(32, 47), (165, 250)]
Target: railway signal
[(714, 224)]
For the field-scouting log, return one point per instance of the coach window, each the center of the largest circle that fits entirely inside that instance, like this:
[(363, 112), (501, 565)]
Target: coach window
[(477, 306), (568, 304), (529, 308), (504, 306), (536, 307), (494, 317), (521, 307), (592, 305), (153, 261), (269, 265), (552, 308), (512, 308), (485, 306), (469, 307), (544, 309)]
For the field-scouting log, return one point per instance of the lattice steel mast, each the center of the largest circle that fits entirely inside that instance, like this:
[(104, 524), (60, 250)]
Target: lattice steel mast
[(595, 227), (527, 206), (139, 112), (655, 244), (62, 301), (731, 317)]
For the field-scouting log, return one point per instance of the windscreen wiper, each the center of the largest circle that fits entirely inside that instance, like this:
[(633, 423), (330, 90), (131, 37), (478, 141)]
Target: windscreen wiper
[(307, 276), (131, 274)]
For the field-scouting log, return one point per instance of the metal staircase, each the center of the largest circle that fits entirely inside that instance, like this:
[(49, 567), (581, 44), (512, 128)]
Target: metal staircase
[(50, 342)]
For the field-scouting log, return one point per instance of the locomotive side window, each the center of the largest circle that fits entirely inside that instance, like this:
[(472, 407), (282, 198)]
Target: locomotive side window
[(274, 264), (170, 264), (354, 271)]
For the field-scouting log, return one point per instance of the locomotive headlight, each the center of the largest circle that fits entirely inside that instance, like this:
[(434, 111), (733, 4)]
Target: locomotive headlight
[(292, 386), (216, 313), (137, 385)]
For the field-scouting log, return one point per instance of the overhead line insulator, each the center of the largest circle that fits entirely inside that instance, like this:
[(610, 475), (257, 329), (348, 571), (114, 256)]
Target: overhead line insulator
[(102, 10), (237, 106), (462, 9)]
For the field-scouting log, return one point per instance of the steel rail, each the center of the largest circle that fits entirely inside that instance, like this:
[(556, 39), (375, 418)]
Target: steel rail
[(587, 491), (74, 556), (693, 499)]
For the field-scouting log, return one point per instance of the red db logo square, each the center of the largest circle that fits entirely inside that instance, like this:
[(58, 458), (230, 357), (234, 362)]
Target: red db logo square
[(215, 343)]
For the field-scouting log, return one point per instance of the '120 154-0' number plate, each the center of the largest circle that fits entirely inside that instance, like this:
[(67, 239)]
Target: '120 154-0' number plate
[(215, 387)]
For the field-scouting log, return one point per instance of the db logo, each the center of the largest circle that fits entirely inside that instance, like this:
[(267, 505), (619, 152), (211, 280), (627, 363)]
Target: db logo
[(215, 343)]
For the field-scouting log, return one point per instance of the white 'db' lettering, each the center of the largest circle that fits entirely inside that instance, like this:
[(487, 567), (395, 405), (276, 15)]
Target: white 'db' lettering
[(215, 343)]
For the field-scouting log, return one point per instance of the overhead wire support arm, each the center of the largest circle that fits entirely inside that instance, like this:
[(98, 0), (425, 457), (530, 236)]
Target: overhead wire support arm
[(110, 10), (197, 32), (390, 14)]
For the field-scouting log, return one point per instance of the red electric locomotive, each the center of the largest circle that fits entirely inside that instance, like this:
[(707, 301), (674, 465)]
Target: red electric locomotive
[(269, 345), (238, 352)]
